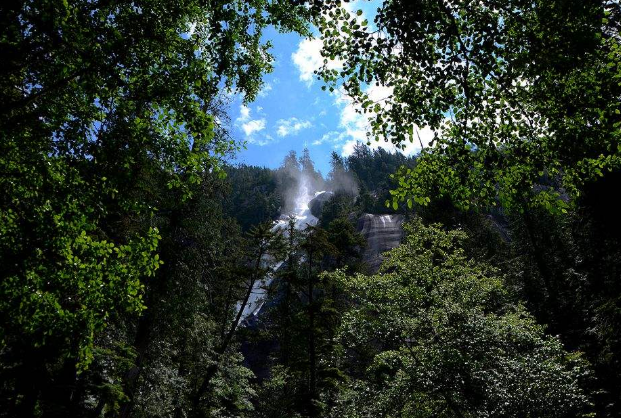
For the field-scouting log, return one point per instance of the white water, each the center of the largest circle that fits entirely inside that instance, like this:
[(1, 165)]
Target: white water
[(303, 217)]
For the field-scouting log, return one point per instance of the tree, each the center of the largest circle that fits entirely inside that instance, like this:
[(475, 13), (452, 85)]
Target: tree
[(374, 170), (283, 394), (524, 100), (338, 166), (448, 341), (315, 245), (348, 243), (100, 100), (191, 303), (523, 96), (302, 321), (339, 205), (291, 161), (254, 195), (340, 178), (264, 242), (308, 171), (307, 163)]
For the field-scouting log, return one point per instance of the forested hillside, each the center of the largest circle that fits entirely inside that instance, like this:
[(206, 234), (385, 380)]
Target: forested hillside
[(466, 262)]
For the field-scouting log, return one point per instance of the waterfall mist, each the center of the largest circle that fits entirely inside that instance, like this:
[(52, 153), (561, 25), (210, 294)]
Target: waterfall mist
[(299, 182)]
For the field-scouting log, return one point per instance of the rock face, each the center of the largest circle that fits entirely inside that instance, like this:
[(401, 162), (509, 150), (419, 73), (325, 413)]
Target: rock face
[(383, 233), (316, 205)]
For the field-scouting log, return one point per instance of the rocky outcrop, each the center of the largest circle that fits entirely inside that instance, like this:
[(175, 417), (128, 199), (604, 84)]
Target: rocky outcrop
[(383, 233), (316, 205)]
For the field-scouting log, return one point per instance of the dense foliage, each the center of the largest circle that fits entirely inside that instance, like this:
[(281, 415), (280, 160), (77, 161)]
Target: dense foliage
[(524, 101), (446, 340), (104, 104), (130, 250), (515, 91), (374, 170), (255, 195)]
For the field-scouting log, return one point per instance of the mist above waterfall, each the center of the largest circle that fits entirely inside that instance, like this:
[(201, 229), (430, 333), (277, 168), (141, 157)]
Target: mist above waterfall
[(299, 182), (343, 181)]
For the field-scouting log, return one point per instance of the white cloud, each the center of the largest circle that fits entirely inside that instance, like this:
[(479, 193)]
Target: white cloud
[(253, 126), (308, 59), (244, 113), (267, 139), (348, 148), (267, 87), (250, 126), (355, 125), (334, 137), (411, 148), (291, 126)]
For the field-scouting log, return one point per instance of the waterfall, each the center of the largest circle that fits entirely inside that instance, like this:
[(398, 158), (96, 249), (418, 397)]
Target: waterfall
[(304, 218)]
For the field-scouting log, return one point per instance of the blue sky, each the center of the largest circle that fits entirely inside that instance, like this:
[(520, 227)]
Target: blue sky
[(292, 112)]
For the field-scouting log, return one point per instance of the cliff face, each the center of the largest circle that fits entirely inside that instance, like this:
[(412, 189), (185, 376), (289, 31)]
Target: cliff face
[(383, 233), (316, 205)]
